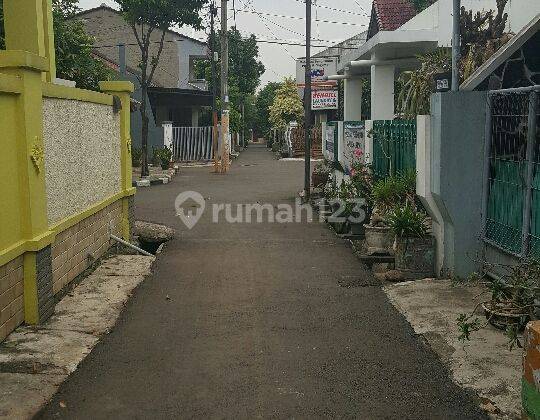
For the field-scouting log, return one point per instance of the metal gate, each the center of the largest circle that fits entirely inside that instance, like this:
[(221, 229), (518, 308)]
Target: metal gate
[(192, 144), (511, 204), (394, 147)]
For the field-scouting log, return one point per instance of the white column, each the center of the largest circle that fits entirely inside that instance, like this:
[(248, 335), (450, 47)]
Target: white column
[(167, 134), (382, 92), (353, 99), (194, 117), (423, 187)]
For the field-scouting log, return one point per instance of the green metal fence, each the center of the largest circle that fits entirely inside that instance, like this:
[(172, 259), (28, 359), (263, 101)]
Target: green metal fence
[(394, 147), (512, 202)]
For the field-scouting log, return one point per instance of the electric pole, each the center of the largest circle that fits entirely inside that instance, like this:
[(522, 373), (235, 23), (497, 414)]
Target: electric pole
[(456, 45), (307, 106), (224, 152), (213, 14)]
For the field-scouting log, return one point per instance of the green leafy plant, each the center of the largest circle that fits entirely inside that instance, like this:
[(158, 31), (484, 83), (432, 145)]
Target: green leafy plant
[(407, 222), (513, 295), (162, 156), (136, 156)]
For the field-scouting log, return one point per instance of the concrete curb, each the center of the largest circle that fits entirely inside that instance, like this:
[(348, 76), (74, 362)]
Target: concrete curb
[(160, 179), (34, 361)]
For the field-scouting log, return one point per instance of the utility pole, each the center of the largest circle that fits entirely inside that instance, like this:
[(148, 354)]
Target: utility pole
[(213, 14), (307, 106), (224, 152), (456, 45)]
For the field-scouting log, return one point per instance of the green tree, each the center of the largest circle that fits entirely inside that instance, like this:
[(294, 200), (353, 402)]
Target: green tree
[(245, 71), (264, 101), (73, 47), (287, 106), (146, 18)]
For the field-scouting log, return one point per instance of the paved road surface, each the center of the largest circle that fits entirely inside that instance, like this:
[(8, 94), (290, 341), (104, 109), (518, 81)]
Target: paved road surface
[(251, 321)]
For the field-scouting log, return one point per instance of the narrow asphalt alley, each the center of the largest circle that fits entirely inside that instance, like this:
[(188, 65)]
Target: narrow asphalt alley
[(252, 320)]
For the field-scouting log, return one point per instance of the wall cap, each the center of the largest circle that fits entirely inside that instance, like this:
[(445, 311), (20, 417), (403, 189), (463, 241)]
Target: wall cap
[(23, 59), (117, 86)]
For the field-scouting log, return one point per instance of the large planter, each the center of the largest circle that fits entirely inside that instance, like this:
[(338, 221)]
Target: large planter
[(415, 256), (502, 316), (318, 179), (379, 240)]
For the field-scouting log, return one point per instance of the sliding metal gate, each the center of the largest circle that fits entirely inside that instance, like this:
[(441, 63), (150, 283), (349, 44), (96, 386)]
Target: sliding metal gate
[(511, 206), (192, 144)]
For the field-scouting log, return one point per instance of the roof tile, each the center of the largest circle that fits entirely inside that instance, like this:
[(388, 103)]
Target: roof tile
[(391, 14)]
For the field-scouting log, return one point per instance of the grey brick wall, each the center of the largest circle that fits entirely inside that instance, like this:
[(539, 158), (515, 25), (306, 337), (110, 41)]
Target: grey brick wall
[(131, 214)]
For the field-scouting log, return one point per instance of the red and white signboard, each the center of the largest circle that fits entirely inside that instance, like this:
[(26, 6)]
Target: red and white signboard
[(324, 99)]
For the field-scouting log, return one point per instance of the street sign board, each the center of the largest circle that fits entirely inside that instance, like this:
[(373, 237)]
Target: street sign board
[(321, 67), (324, 99)]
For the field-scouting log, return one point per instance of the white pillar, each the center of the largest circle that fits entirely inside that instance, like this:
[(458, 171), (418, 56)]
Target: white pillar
[(423, 187), (167, 134), (352, 99), (194, 117), (382, 92)]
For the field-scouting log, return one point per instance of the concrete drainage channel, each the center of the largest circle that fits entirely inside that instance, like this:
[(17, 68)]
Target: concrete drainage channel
[(152, 236)]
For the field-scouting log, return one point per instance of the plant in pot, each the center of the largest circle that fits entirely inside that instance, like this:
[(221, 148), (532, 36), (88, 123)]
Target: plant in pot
[(341, 206), (413, 246), (162, 157), (136, 156), (320, 174), (386, 194), (359, 208), (512, 303)]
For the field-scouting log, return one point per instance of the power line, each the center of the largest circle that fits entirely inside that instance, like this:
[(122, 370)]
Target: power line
[(333, 9), (263, 41), (299, 18)]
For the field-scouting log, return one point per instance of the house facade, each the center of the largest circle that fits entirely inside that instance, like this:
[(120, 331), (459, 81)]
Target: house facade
[(396, 37), (178, 94)]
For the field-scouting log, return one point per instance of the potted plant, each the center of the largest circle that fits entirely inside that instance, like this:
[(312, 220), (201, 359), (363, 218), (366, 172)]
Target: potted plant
[(387, 194), (320, 174), (362, 180), (512, 303), (162, 157), (413, 246), (136, 156)]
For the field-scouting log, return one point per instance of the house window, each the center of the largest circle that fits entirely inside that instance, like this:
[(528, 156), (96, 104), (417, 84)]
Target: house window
[(197, 68)]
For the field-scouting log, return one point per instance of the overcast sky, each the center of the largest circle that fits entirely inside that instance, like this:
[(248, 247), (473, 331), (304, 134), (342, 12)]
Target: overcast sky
[(279, 59)]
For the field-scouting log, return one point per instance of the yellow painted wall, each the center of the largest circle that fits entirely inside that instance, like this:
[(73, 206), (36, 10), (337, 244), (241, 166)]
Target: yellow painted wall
[(10, 221)]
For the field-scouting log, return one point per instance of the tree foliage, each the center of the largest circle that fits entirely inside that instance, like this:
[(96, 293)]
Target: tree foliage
[(287, 106), (482, 34), (420, 5), (245, 71), (146, 18), (264, 101), (73, 47)]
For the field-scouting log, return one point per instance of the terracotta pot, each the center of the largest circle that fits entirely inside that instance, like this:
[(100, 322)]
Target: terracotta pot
[(415, 255), (379, 240)]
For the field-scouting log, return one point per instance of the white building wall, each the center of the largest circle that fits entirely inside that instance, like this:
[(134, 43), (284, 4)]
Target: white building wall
[(439, 16)]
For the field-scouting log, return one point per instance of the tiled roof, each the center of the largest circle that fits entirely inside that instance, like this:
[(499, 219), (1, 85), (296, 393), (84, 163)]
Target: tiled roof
[(391, 14)]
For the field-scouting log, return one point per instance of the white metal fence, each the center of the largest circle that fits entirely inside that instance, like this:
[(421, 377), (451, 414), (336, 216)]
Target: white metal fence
[(192, 144)]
